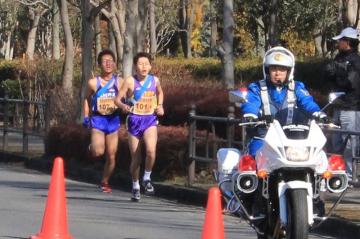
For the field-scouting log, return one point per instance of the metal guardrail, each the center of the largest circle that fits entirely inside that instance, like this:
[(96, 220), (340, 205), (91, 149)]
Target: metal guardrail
[(29, 113), (211, 141)]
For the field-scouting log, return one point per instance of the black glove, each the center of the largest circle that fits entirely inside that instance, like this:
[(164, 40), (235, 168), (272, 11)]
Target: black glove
[(268, 119), (321, 117)]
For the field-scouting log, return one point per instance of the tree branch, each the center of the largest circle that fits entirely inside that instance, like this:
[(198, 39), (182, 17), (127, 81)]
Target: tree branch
[(33, 3), (97, 9)]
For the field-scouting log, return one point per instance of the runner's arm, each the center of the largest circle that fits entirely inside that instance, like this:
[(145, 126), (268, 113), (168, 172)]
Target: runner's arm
[(89, 92), (160, 98), (125, 87)]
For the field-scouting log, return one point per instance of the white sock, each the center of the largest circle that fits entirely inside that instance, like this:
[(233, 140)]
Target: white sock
[(147, 176), (136, 184)]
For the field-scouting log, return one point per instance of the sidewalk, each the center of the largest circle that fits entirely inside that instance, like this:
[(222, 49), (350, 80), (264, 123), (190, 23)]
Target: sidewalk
[(344, 223)]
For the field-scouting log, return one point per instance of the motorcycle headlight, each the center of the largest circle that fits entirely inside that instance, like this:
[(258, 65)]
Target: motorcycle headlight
[(297, 153)]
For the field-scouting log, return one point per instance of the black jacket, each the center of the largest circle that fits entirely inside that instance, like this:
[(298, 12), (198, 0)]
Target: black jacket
[(343, 74)]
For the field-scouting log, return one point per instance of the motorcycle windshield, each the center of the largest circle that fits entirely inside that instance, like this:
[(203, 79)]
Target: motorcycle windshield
[(298, 127)]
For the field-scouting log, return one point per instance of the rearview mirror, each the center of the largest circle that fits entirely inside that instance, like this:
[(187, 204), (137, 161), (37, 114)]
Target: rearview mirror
[(334, 95), (238, 96)]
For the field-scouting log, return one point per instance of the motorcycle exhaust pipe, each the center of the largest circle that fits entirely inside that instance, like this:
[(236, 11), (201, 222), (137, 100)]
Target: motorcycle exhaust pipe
[(246, 182), (337, 183)]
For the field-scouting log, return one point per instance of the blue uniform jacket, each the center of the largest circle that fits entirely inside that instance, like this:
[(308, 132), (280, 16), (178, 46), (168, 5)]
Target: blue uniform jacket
[(278, 97), (253, 105)]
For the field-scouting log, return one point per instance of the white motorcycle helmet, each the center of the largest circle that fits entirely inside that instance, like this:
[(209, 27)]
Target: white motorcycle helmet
[(279, 56)]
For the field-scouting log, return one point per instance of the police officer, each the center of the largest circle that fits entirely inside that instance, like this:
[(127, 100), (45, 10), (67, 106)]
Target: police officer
[(276, 92), (343, 74)]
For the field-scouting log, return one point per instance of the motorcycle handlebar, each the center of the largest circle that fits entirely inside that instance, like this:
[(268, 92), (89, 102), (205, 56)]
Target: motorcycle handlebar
[(264, 122), (329, 125), (254, 123)]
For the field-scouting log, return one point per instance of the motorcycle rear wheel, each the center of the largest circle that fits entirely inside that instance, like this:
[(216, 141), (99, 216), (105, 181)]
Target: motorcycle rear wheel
[(297, 224)]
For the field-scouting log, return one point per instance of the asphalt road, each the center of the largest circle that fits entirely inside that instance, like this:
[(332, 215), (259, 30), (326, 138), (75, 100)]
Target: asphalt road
[(93, 214)]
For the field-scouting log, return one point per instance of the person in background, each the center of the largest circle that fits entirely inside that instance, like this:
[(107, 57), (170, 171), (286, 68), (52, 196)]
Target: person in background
[(145, 98), (101, 114), (343, 75)]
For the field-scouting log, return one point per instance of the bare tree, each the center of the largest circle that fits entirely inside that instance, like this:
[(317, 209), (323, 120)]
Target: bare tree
[(213, 27), (36, 10), (97, 28), (152, 28), (141, 25), (167, 23), (55, 31), (116, 16), (273, 31), (130, 36), (186, 23), (8, 26), (68, 68), (226, 51), (351, 12)]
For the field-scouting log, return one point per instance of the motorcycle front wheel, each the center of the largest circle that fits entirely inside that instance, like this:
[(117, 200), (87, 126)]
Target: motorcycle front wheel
[(297, 222)]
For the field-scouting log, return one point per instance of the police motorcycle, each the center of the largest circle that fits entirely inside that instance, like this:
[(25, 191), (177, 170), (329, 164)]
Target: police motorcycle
[(278, 191)]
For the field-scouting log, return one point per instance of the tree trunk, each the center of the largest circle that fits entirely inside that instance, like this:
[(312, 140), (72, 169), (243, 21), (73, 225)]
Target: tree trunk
[(189, 26), (112, 40), (87, 36), (153, 43), (227, 55), (116, 17), (68, 67), (31, 39), (117, 21), (130, 37), (351, 12), (260, 40), (182, 25), (186, 22), (213, 22), (97, 35), (273, 31), (318, 40), (56, 32), (9, 48), (141, 25)]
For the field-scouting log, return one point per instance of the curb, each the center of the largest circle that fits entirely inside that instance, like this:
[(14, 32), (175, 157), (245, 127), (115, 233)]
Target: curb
[(194, 196)]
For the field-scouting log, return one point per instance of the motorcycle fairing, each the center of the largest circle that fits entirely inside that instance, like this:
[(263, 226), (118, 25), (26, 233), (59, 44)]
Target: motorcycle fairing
[(272, 156)]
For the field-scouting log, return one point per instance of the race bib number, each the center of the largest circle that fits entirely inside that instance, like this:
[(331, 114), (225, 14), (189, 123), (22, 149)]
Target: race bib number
[(146, 105), (106, 106)]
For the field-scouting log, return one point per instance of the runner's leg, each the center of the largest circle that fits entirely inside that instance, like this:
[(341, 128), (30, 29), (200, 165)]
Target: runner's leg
[(135, 151), (111, 143), (97, 147), (150, 140)]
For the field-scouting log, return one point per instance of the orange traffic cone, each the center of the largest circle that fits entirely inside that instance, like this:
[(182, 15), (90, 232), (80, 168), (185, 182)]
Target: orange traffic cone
[(213, 225), (54, 225)]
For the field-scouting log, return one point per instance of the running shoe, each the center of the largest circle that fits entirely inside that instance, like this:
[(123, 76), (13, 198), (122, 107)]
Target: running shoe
[(148, 187), (105, 187), (135, 195)]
